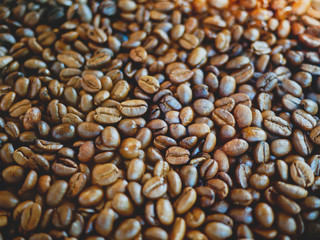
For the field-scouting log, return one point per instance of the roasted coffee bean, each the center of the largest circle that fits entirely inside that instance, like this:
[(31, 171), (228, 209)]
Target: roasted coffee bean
[(88, 130), (133, 108), (56, 193), (30, 217), (301, 174), (90, 196), (314, 135), (105, 174), (277, 126), (76, 184), (235, 147), (159, 119), (149, 84), (186, 200), (177, 155), (107, 115)]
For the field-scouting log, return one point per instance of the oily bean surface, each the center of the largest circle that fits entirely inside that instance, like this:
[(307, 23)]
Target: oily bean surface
[(142, 119)]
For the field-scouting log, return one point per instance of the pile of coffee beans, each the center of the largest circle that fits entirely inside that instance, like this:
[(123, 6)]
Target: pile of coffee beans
[(159, 119)]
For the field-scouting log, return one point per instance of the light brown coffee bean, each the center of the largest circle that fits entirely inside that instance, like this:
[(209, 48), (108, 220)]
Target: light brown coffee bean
[(180, 75), (105, 174), (165, 212), (303, 120), (291, 191), (177, 155), (218, 230), (264, 214), (133, 108), (90, 83), (56, 193), (314, 135), (107, 115), (149, 84), (155, 187), (277, 126), (90, 196), (30, 217), (128, 229), (185, 201), (235, 147), (301, 174)]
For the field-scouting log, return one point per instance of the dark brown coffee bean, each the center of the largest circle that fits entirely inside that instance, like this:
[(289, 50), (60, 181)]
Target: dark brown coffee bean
[(76, 184), (128, 229), (64, 167), (218, 230), (88, 130), (63, 132), (8, 200), (291, 191), (264, 214)]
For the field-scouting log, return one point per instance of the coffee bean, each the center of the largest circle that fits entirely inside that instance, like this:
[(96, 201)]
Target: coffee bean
[(128, 229), (235, 147), (76, 184), (222, 117), (71, 59), (56, 193), (90, 83), (133, 108), (277, 126), (186, 200), (217, 230), (88, 130), (104, 221), (264, 214), (291, 191), (154, 188), (149, 84), (64, 167), (177, 155), (30, 217), (107, 115), (105, 174), (301, 174), (8, 200), (180, 75), (90, 196), (130, 148), (303, 120), (63, 132), (314, 135)]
